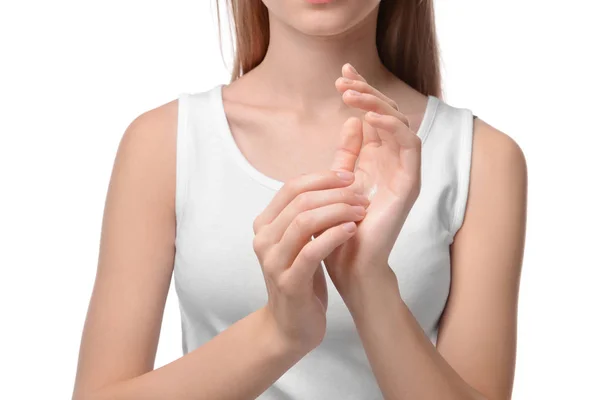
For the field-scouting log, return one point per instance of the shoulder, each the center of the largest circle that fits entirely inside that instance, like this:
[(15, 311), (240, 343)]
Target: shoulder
[(153, 125), (493, 147), (498, 179), (152, 130), (497, 159), (145, 160)]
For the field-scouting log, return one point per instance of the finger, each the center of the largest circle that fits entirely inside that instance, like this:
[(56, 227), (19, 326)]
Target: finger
[(370, 135), (342, 84), (300, 230), (349, 146), (400, 138), (317, 234), (293, 187), (306, 201), (309, 259), (401, 133), (369, 102), (350, 72)]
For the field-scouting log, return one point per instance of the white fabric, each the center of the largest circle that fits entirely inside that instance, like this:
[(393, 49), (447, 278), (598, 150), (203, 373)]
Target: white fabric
[(219, 280)]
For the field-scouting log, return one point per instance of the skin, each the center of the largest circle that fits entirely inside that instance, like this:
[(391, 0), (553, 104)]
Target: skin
[(295, 107)]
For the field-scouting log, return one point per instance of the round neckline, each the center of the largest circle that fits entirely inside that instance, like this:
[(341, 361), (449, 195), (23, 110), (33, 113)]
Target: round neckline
[(225, 132)]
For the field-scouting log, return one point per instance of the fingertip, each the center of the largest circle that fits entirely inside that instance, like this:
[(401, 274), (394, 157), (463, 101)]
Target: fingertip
[(349, 227), (349, 71), (351, 121), (350, 68), (352, 135), (339, 85)]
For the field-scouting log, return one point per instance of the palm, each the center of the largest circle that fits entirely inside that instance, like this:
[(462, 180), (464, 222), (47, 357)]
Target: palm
[(385, 156), (382, 177), (379, 171)]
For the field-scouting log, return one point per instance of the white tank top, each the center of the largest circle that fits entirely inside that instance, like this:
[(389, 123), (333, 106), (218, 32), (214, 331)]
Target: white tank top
[(218, 278)]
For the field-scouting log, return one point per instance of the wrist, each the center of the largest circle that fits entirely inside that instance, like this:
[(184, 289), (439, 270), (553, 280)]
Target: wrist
[(373, 290), (279, 344)]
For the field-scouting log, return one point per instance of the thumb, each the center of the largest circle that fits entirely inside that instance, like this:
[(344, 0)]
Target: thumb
[(349, 146)]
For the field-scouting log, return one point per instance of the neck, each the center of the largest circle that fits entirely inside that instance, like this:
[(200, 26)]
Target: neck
[(303, 68)]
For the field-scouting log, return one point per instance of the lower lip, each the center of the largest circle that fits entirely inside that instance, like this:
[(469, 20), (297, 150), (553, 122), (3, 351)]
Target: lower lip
[(319, 1)]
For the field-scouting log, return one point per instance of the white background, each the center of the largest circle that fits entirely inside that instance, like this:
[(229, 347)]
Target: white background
[(74, 74)]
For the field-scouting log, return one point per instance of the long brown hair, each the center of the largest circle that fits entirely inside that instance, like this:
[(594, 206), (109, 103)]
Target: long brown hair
[(406, 40)]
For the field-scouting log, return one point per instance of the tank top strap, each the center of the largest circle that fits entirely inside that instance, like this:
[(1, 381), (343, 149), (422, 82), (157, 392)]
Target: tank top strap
[(195, 132), (446, 161)]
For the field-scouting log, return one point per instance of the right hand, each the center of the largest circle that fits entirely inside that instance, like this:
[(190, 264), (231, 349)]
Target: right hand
[(320, 205)]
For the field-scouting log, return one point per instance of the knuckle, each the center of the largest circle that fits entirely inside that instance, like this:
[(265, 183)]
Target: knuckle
[(269, 263), (280, 284), (259, 244), (283, 284), (302, 201), (292, 185), (256, 224), (308, 255), (303, 221)]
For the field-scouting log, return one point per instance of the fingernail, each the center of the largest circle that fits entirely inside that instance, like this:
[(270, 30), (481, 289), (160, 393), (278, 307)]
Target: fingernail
[(345, 175), (373, 114), (352, 68), (349, 227), (347, 80), (353, 92), (359, 210)]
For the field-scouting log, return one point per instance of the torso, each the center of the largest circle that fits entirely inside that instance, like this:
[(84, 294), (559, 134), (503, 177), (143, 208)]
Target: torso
[(219, 192)]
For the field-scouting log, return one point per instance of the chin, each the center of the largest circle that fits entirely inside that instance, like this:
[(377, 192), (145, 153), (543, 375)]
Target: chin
[(331, 18)]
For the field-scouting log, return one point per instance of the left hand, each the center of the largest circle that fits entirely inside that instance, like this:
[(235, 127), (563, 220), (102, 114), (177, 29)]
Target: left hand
[(388, 172)]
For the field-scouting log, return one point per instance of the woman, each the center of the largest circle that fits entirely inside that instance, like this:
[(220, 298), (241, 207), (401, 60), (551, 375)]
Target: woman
[(329, 150)]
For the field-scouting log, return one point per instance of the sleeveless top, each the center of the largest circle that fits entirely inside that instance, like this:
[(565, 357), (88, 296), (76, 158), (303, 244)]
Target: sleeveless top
[(218, 279)]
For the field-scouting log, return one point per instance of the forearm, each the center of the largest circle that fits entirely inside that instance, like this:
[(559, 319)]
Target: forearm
[(239, 363), (404, 361)]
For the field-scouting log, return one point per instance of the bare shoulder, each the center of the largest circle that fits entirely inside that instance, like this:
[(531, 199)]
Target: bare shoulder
[(147, 152), (498, 183), (494, 148), (155, 125)]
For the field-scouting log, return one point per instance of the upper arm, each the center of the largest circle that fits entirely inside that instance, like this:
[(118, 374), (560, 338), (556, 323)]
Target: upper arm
[(477, 333), (135, 264)]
